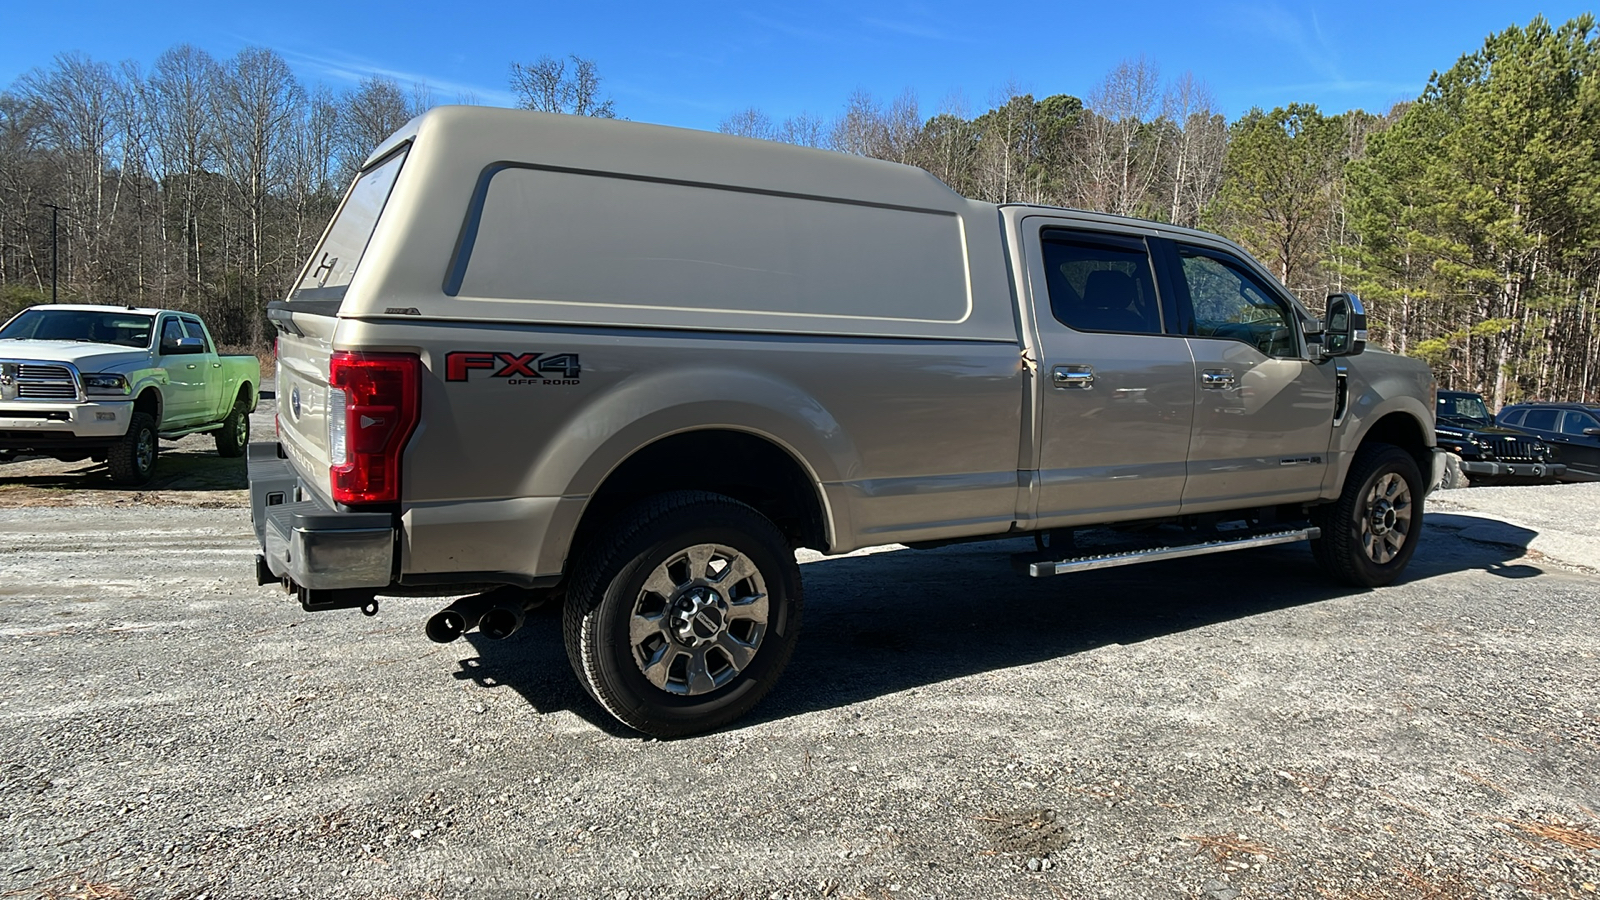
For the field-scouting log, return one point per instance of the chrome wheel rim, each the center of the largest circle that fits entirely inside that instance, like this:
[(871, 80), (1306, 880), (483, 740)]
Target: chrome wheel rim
[(241, 432), (698, 620), (1386, 518), (145, 456)]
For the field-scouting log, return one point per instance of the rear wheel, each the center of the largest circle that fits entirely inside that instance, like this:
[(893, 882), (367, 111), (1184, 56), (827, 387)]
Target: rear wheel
[(132, 459), (234, 435), (1370, 532), (682, 617)]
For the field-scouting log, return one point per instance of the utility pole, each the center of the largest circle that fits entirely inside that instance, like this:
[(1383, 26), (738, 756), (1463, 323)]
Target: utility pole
[(55, 212)]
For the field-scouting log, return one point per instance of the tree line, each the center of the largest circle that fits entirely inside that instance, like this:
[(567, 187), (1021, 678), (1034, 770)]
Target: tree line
[(200, 184), (1468, 219)]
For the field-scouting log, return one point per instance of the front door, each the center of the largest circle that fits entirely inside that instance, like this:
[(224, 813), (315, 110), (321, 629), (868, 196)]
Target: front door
[(1264, 411), (1116, 388)]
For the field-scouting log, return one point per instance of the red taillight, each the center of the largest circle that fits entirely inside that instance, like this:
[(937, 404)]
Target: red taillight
[(373, 401)]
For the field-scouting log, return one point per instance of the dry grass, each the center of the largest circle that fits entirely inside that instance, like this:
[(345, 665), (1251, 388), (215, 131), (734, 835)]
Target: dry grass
[(1575, 836), (1224, 847)]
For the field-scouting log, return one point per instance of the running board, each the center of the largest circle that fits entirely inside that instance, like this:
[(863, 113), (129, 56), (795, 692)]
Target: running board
[(1111, 560)]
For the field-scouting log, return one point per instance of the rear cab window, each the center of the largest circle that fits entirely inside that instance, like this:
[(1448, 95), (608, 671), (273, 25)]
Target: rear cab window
[(328, 274), (1541, 419), (1101, 283)]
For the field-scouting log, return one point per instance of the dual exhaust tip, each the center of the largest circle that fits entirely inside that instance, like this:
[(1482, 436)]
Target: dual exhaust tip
[(497, 614)]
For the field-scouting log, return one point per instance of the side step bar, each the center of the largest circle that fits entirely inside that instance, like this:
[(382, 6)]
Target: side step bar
[(1111, 560)]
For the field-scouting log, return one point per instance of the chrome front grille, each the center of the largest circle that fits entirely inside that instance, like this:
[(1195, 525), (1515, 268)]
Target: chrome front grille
[(22, 380), (27, 390)]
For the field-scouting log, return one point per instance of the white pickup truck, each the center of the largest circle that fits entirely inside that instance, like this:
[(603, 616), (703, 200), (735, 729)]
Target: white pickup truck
[(105, 382)]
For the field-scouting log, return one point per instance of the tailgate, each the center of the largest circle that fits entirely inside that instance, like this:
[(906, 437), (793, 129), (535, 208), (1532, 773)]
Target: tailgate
[(303, 398)]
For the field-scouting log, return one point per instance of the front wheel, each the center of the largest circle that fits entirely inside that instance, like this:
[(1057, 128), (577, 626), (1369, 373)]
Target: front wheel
[(132, 459), (1370, 532), (682, 616)]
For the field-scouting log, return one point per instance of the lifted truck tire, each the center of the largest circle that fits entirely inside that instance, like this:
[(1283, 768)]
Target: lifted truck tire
[(132, 459), (683, 613), (234, 435), (1370, 532)]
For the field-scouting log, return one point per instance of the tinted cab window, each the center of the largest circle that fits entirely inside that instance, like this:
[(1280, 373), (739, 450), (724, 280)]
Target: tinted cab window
[(1101, 284), (1541, 419), (1576, 423)]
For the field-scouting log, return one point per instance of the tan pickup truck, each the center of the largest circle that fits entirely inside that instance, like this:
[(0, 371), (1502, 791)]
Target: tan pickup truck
[(630, 369)]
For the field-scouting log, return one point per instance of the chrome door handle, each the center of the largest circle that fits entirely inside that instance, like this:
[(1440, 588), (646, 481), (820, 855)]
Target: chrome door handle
[(191, 365), (1080, 377), (216, 365), (1219, 379)]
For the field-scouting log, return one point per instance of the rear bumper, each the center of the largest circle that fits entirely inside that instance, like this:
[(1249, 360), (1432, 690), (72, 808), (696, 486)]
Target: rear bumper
[(1497, 469), (315, 547)]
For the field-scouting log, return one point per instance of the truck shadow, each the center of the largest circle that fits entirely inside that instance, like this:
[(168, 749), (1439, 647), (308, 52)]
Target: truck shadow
[(893, 621), (178, 468)]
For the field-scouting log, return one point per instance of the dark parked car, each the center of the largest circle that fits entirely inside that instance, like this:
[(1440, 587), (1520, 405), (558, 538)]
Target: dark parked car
[(1574, 428), (1465, 428)]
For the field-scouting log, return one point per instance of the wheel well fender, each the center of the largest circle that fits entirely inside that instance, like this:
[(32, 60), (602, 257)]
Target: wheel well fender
[(1403, 430), (149, 401), (749, 467)]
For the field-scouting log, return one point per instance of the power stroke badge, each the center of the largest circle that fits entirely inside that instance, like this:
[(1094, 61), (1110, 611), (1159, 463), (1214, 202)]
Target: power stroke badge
[(513, 368)]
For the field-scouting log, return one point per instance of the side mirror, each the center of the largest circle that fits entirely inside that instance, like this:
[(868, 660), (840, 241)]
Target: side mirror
[(1345, 328), (1592, 432), (179, 346)]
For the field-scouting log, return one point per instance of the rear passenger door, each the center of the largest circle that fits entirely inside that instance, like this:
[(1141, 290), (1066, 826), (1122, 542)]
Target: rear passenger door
[(210, 368), (1116, 389), (1264, 411)]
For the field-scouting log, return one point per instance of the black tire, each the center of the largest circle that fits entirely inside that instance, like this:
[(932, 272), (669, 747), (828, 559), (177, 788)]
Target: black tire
[(132, 459), (610, 602), (234, 435), (1370, 532)]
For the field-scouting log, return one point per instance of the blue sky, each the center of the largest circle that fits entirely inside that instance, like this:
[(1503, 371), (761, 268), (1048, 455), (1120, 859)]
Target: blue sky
[(693, 64)]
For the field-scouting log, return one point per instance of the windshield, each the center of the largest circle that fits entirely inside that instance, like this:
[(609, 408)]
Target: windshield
[(1467, 408), (334, 263), (82, 325)]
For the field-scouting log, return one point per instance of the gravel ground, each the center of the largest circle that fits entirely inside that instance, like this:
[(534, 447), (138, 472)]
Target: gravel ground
[(1218, 727)]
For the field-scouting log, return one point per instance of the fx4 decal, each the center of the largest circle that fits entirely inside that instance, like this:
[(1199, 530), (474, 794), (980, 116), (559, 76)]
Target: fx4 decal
[(516, 368)]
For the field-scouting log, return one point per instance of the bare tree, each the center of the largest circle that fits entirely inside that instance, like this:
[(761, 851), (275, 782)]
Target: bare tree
[(76, 110), (750, 123), (367, 116), (1119, 156), (313, 147), (547, 86), (869, 129), (180, 88), (1199, 146), (257, 105), (805, 130)]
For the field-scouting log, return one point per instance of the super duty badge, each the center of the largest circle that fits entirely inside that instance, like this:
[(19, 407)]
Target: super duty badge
[(515, 368)]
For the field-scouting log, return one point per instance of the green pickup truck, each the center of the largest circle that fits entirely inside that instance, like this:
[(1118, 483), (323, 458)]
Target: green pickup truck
[(106, 382)]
